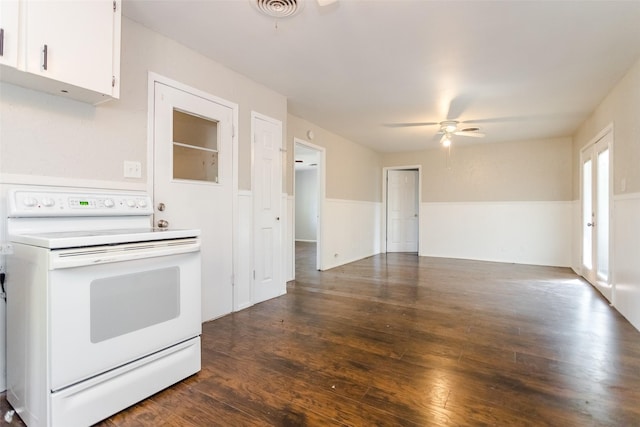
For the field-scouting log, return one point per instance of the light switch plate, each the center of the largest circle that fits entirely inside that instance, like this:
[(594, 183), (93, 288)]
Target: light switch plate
[(132, 169)]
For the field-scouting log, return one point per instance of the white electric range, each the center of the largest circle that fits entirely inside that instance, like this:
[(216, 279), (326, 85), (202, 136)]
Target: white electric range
[(103, 310)]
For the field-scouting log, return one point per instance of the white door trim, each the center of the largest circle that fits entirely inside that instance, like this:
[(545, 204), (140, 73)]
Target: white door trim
[(320, 232), (383, 228)]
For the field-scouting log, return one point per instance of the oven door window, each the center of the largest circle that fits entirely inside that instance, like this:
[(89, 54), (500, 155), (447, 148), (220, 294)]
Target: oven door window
[(123, 304)]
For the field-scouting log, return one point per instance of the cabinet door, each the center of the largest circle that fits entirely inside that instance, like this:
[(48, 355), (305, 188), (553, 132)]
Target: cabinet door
[(71, 42), (9, 32)]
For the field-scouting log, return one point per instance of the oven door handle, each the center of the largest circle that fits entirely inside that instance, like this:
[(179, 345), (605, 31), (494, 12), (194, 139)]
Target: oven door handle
[(95, 255)]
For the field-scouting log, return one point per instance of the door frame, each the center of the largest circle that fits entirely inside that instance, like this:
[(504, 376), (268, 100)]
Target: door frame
[(154, 78), (606, 289), (383, 228), (320, 233)]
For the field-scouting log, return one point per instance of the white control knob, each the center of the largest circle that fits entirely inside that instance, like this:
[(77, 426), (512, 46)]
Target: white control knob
[(48, 202), (131, 203), (29, 202), (108, 203), (142, 203)]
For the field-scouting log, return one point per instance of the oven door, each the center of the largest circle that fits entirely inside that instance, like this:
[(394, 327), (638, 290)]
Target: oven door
[(112, 305)]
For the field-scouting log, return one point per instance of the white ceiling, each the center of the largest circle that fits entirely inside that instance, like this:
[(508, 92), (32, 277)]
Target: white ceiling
[(519, 70)]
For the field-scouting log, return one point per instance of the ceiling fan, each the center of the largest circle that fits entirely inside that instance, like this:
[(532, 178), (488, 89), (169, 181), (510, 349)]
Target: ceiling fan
[(448, 128)]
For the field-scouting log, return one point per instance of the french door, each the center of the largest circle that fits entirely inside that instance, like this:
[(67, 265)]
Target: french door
[(596, 196)]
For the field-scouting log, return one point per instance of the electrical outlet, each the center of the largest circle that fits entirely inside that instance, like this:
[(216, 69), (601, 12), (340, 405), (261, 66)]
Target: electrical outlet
[(132, 169)]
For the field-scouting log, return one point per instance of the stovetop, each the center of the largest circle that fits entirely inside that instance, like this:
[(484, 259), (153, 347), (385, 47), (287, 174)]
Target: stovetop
[(83, 238), (57, 218)]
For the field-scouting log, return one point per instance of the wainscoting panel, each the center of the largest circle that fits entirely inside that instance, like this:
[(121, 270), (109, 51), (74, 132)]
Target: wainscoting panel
[(538, 233), (626, 256), (351, 231), (244, 250), (289, 244)]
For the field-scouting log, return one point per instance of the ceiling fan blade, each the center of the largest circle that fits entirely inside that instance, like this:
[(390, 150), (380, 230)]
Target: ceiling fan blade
[(407, 125), (322, 3), (473, 134), (457, 106)]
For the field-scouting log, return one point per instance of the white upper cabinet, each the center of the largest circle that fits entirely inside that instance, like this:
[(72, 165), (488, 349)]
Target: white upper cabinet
[(9, 32), (67, 48)]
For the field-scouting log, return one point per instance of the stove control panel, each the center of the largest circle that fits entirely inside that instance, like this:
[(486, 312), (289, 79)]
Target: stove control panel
[(28, 203)]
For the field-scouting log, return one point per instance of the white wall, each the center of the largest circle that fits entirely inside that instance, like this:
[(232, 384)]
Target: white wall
[(351, 231), (626, 256), (517, 232), (505, 202), (306, 205), (620, 109)]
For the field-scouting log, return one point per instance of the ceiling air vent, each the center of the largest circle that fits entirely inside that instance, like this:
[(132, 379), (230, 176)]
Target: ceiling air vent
[(279, 8)]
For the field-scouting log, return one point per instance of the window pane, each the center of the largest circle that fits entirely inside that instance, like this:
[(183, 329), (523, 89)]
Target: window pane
[(193, 164), (195, 147), (193, 130)]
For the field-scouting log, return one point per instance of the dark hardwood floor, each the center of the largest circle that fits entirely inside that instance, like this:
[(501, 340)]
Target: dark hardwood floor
[(401, 340)]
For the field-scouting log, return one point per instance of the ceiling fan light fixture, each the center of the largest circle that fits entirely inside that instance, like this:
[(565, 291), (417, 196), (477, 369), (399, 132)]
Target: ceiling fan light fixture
[(446, 140), (448, 126)]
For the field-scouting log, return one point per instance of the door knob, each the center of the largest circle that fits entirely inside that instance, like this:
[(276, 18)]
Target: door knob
[(163, 223), (591, 224), (161, 207), (277, 218)]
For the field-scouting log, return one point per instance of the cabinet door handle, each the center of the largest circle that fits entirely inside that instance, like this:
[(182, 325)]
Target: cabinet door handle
[(45, 50), (1, 41)]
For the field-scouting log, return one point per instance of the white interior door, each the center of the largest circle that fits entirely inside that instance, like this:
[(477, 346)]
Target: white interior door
[(402, 211), (193, 185), (268, 222), (596, 194)]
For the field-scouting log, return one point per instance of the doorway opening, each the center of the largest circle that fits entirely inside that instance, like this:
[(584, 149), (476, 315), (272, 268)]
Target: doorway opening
[(402, 209), (309, 190), (595, 171)]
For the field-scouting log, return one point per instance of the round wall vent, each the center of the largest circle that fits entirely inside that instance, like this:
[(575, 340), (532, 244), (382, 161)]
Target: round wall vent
[(278, 8)]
